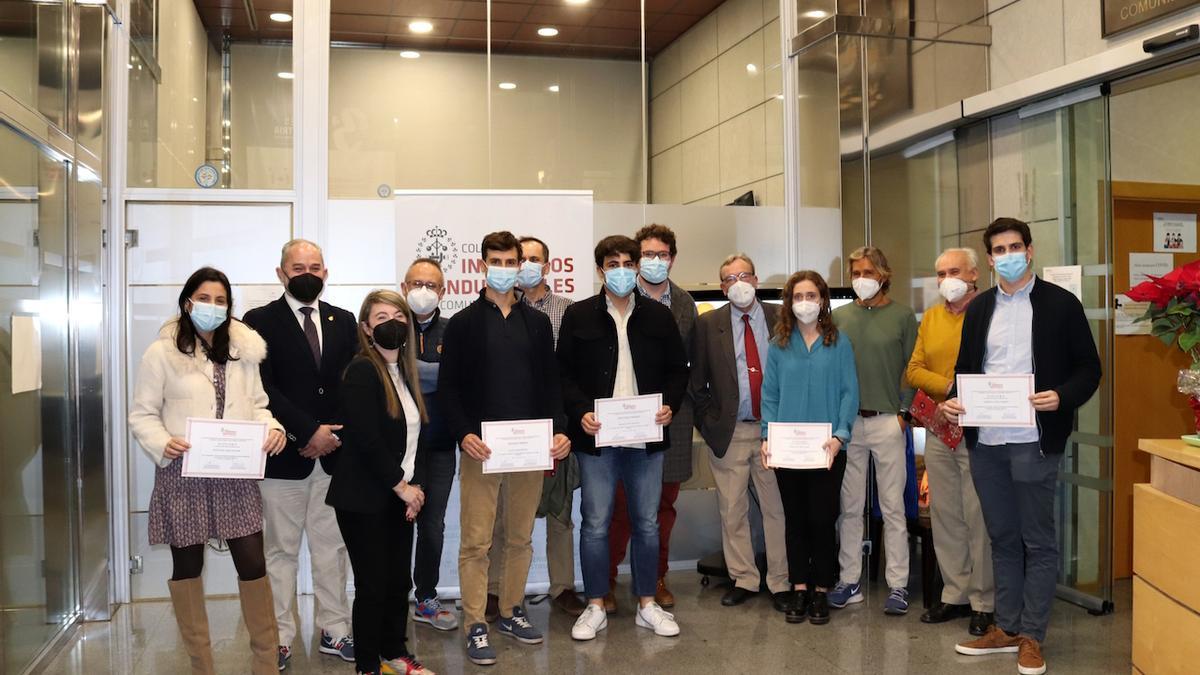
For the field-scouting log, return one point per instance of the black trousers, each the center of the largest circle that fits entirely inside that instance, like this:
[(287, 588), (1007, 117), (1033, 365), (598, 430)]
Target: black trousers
[(380, 549), (811, 504)]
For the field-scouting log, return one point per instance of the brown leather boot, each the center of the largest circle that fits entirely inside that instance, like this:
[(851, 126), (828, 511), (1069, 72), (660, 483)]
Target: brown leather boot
[(663, 595), (187, 596), (258, 611)]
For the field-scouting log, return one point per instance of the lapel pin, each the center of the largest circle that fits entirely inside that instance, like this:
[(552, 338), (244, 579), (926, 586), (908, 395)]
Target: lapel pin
[(330, 318)]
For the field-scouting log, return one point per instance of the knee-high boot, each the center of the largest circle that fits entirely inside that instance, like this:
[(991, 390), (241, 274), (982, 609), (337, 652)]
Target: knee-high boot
[(258, 612), (187, 596)]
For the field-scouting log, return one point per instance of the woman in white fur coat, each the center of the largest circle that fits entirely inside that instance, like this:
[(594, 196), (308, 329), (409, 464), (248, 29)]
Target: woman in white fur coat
[(205, 364)]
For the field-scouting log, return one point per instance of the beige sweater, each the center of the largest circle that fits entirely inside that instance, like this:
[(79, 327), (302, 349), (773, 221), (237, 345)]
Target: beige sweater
[(173, 386)]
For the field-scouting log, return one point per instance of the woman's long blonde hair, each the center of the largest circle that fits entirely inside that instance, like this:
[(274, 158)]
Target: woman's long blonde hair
[(408, 355)]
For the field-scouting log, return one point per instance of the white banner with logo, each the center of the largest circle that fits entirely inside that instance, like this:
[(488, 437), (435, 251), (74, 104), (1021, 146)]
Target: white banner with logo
[(448, 225)]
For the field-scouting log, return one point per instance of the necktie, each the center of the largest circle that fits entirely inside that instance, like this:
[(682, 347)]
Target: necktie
[(753, 369), (310, 332)]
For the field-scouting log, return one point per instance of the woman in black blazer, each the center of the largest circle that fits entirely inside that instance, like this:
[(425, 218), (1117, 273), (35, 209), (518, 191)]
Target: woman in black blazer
[(376, 487)]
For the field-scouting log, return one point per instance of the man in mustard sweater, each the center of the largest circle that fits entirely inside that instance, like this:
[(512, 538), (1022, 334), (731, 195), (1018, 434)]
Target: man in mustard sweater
[(960, 539)]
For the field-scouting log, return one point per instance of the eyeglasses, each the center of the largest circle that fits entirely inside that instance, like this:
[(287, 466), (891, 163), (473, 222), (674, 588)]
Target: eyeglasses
[(661, 255), (433, 286), (741, 276)]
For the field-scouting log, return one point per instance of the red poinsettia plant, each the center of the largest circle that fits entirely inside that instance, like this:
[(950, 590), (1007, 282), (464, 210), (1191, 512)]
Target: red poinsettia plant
[(1174, 311)]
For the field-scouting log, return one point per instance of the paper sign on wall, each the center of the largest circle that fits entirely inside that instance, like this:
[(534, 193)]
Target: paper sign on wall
[(1142, 266), (26, 354), (1069, 277), (1126, 312), (1175, 232)]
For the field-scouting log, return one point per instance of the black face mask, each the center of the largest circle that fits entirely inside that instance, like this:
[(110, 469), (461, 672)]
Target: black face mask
[(305, 287), (391, 334)]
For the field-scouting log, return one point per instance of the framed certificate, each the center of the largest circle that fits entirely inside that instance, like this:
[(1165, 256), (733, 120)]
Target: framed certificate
[(225, 449), (798, 446), (996, 401), (628, 419), (521, 445)]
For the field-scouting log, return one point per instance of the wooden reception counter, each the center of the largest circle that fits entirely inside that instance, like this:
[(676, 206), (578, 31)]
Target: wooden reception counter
[(1166, 560)]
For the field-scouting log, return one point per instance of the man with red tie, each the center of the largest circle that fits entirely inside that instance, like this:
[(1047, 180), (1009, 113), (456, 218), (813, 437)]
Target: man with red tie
[(728, 351)]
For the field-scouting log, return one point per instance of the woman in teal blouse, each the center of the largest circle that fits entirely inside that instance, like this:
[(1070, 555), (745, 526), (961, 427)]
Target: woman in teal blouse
[(810, 377)]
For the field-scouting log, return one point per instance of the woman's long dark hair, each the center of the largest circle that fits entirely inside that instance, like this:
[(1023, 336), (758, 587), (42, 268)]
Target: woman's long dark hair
[(186, 336), (786, 322)]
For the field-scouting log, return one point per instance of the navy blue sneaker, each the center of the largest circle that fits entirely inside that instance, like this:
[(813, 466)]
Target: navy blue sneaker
[(285, 653), (342, 647), (519, 627), (479, 650), (845, 594), (897, 602)]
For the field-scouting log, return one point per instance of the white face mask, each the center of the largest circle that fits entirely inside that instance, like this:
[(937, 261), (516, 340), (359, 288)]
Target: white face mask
[(741, 294), (953, 289), (865, 288), (806, 311), (422, 300)]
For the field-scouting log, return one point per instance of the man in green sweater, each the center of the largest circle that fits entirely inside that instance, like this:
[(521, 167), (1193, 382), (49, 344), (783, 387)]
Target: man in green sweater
[(882, 333)]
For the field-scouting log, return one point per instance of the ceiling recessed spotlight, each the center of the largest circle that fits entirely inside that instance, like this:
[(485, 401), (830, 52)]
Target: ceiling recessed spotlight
[(287, 76), (815, 14), (508, 85), (576, 2), (410, 54), (751, 68), (553, 88), (547, 31), (420, 26), (281, 17)]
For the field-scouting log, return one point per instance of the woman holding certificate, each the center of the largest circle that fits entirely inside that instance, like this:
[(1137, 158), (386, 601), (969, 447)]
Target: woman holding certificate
[(809, 400), (374, 489), (204, 365)]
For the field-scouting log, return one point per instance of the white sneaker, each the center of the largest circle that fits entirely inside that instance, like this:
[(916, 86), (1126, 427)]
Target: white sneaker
[(657, 619), (592, 621)]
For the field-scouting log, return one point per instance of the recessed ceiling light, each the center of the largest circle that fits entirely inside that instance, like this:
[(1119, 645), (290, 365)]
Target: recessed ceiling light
[(410, 54), (281, 17), (508, 85), (815, 14), (286, 76), (576, 2), (553, 88), (547, 31), (751, 68), (420, 26)]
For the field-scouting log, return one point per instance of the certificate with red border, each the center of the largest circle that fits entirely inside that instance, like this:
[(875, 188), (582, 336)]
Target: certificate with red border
[(225, 449)]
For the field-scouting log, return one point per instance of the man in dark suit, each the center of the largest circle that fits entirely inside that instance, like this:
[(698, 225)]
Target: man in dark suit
[(729, 350), (309, 344)]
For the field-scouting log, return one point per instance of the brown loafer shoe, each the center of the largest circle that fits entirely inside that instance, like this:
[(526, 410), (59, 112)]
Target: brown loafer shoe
[(610, 603), (663, 595), (491, 613), (994, 641), (1029, 658), (569, 602)]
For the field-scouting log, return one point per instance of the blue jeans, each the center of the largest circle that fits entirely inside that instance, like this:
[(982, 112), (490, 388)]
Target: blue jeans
[(431, 521), (641, 473)]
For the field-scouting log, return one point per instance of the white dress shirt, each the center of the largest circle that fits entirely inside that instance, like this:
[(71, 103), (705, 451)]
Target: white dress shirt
[(412, 418), (1010, 352), (625, 383)]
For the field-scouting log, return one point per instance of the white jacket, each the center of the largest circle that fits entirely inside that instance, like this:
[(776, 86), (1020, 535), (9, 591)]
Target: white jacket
[(173, 386)]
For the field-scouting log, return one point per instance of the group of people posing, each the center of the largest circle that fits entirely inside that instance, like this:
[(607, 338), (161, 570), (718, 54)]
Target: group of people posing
[(367, 415)]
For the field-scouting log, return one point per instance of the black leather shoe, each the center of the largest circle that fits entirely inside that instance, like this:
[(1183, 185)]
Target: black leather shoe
[(818, 609), (783, 600), (798, 611), (941, 613), (981, 621), (736, 596)]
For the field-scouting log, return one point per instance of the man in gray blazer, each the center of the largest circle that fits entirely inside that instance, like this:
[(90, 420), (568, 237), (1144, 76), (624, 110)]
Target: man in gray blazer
[(729, 350)]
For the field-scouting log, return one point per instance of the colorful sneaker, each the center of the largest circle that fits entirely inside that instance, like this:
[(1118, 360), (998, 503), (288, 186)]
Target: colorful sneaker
[(431, 612), (342, 647), (405, 665), (285, 653), (897, 602), (518, 627), (479, 649), (845, 594), (657, 619)]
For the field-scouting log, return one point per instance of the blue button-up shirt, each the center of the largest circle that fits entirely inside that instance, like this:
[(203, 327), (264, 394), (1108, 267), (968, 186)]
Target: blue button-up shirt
[(1010, 352), (762, 336), (665, 299)]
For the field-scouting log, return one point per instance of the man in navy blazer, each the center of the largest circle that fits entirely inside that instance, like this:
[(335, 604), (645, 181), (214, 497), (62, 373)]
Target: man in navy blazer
[(309, 344)]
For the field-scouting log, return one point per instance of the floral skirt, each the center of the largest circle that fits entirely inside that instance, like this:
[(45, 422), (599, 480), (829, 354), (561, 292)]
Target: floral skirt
[(190, 511)]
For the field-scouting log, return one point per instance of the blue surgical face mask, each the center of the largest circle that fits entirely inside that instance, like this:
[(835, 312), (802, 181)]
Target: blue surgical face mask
[(654, 270), (1011, 266), (501, 279), (620, 280), (206, 317), (530, 274)]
